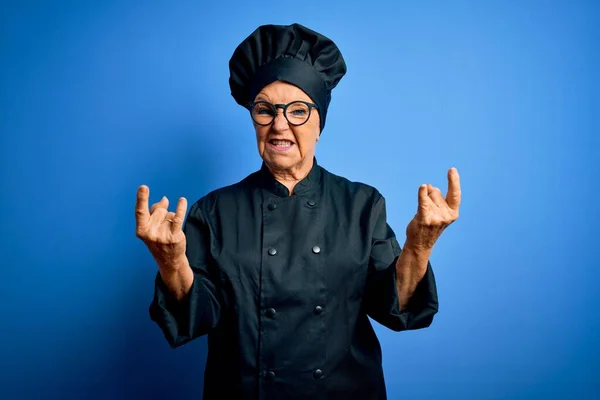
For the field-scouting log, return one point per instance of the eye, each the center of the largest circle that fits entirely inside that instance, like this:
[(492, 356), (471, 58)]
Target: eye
[(263, 109), (298, 110)]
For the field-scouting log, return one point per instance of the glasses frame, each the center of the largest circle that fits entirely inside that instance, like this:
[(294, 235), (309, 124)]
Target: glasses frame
[(284, 107)]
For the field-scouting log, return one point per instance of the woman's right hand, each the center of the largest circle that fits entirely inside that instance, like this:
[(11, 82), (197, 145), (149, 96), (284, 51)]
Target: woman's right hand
[(161, 230)]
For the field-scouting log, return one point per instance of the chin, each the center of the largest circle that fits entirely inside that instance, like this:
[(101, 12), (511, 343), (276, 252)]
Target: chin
[(278, 163)]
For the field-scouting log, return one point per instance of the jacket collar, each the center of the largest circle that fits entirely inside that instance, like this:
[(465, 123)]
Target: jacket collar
[(311, 182)]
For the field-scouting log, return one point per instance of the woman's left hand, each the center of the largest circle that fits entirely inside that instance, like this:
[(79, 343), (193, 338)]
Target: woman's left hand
[(434, 214)]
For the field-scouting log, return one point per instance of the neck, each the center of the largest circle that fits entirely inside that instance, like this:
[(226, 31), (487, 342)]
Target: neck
[(289, 177)]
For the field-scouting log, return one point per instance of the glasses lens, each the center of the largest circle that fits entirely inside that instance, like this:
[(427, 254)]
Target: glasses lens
[(297, 113), (263, 113)]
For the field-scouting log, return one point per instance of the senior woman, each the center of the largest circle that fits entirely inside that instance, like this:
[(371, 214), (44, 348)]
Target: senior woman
[(283, 269)]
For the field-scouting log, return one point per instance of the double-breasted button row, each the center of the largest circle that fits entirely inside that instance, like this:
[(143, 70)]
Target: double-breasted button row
[(272, 250), (273, 206), (270, 375), (271, 312)]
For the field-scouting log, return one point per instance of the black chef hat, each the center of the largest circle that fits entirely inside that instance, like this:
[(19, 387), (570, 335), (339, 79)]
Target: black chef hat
[(294, 54)]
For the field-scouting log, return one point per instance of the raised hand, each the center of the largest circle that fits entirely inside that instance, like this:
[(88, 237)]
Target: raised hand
[(434, 213), (160, 229)]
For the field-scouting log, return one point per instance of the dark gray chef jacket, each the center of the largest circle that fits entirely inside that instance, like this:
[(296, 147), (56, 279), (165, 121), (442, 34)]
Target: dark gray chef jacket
[(284, 285)]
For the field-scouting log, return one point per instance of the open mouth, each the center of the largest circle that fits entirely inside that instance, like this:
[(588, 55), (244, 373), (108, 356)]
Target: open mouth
[(281, 145)]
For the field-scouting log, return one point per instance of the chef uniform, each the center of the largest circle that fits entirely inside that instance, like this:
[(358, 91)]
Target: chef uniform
[(284, 285)]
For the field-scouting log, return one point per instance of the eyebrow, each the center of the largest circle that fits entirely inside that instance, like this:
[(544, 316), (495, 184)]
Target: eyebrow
[(261, 97)]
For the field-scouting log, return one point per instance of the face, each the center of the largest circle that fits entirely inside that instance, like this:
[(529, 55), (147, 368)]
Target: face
[(282, 146)]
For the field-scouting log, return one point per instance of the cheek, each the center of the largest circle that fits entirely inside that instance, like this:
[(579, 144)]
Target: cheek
[(261, 135), (307, 139)]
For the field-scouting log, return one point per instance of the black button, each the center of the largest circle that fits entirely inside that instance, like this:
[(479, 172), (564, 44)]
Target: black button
[(311, 203), (270, 375), (318, 310), (272, 251), (317, 374), (316, 249), (270, 313), (272, 206)]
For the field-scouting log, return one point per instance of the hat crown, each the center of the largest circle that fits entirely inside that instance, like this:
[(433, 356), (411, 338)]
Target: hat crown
[(302, 43)]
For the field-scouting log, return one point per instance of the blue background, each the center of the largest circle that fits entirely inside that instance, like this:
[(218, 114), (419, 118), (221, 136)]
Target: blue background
[(97, 98)]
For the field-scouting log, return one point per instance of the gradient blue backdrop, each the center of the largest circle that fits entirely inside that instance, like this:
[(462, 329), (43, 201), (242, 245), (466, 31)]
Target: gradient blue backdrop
[(97, 98)]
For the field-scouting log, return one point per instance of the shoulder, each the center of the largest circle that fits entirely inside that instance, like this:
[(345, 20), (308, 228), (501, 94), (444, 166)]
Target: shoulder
[(206, 204), (344, 187)]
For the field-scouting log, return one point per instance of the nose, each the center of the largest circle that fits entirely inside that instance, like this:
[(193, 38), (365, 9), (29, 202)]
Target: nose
[(280, 123)]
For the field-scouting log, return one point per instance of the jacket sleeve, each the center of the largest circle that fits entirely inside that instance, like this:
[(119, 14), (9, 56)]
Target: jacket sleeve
[(381, 295), (199, 311)]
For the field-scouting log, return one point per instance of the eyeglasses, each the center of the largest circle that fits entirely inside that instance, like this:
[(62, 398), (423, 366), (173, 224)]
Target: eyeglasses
[(296, 112)]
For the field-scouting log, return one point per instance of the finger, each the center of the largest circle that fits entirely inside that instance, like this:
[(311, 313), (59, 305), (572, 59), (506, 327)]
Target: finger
[(169, 217), (163, 203), (180, 213), (159, 211), (453, 196), (142, 215), (424, 200), (436, 196)]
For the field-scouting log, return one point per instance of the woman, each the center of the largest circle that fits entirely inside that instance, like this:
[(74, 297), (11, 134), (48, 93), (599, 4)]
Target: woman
[(283, 269)]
